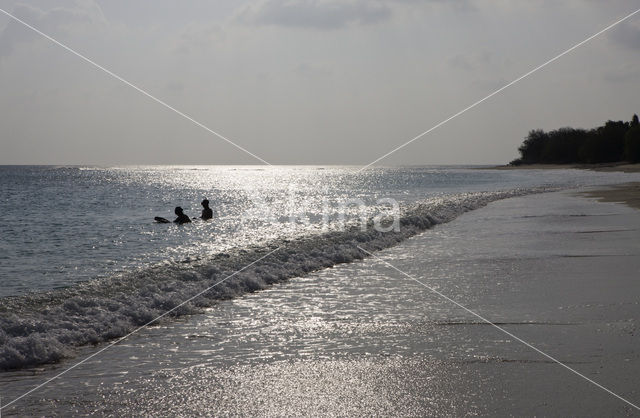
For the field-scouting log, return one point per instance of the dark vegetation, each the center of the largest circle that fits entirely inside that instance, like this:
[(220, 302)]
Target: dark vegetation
[(615, 141)]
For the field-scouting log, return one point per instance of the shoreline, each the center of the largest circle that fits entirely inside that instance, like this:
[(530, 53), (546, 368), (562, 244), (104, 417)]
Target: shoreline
[(606, 167), (545, 286), (626, 193)]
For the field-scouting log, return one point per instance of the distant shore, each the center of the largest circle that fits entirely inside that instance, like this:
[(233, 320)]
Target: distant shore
[(624, 167)]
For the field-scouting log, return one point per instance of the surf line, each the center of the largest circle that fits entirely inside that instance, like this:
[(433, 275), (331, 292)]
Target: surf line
[(498, 327), (138, 329)]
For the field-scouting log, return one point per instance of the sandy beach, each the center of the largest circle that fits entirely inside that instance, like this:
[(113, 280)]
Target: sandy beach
[(628, 193)]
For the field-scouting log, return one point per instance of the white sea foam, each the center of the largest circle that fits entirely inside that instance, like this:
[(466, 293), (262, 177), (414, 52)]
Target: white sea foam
[(46, 327)]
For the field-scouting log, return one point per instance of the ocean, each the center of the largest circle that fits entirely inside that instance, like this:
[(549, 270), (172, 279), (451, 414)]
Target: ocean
[(83, 263)]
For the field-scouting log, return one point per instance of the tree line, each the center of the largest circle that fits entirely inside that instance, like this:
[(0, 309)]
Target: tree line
[(615, 141)]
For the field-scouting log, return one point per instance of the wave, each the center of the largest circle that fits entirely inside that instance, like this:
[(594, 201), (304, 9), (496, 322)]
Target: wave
[(46, 327)]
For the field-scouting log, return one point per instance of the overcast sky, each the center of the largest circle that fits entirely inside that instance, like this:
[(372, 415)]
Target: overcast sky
[(306, 82)]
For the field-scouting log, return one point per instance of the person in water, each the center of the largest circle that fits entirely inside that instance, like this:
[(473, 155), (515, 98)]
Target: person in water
[(207, 213), (182, 218)]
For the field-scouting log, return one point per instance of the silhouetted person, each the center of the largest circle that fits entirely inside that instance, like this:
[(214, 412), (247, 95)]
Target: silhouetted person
[(207, 213), (182, 218)]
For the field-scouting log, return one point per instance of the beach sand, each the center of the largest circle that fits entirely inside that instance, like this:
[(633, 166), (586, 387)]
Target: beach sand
[(558, 270), (628, 193)]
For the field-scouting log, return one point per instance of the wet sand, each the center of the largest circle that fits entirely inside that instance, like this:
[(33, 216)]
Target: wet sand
[(628, 193)]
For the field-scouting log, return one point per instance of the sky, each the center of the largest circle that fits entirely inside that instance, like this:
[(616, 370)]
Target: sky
[(308, 81)]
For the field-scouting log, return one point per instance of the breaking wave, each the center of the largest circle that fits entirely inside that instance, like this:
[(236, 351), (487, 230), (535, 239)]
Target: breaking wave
[(46, 327)]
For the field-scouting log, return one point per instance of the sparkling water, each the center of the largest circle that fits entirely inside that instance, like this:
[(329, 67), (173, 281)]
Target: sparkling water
[(82, 261)]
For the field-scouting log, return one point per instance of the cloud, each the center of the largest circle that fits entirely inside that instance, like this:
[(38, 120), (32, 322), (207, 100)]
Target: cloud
[(15, 33), (54, 21), (197, 36), (316, 14), (627, 34), (465, 5)]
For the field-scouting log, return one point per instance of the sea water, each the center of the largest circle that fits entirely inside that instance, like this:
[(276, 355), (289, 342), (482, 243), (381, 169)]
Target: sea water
[(82, 262), (364, 339)]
